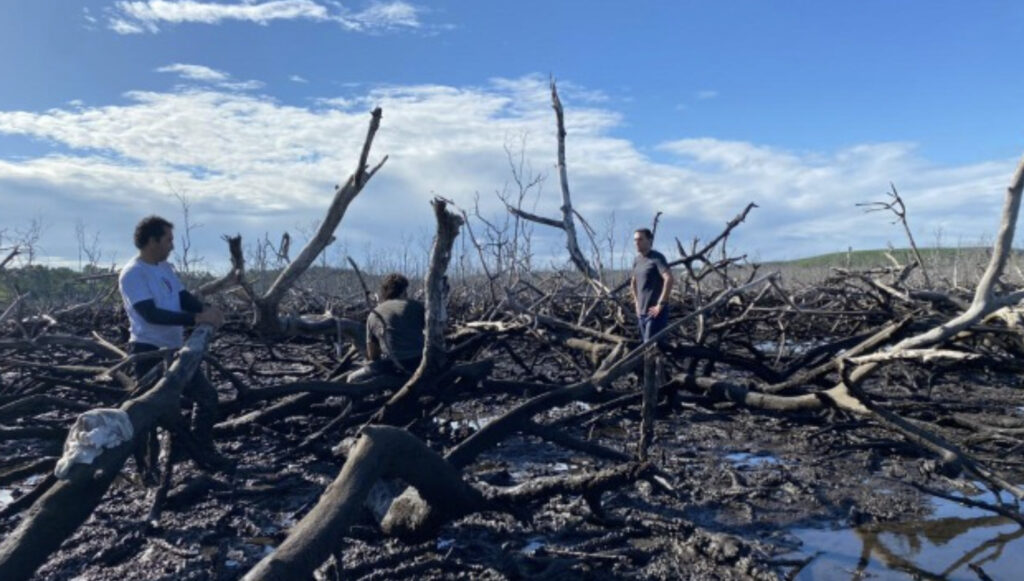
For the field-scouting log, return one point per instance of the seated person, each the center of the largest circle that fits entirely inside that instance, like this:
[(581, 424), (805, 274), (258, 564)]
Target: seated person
[(394, 333)]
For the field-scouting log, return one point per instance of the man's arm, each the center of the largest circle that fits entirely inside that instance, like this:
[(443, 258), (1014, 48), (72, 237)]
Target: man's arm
[(203, 314), (632, 291), (666, 288), (372, 345), (372, 348), (157, 316), (189, 302)]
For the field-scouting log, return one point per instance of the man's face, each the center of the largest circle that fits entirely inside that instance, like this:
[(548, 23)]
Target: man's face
[(642, 242), (164, 244)]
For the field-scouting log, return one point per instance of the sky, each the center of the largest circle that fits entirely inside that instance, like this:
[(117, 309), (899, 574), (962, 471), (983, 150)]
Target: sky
[(254, 110)]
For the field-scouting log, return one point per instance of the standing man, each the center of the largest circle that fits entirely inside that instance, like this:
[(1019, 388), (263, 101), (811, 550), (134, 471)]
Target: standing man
[(651, 285), (394, 332), (159, 308)]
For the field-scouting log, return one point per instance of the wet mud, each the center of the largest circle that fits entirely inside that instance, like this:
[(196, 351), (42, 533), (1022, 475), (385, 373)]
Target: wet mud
[(741, 493)]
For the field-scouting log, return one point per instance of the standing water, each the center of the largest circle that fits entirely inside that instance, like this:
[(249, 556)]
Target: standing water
[(940, 547)]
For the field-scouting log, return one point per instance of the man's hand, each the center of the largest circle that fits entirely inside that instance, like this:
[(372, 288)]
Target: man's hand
[(210, 315), (655, 310)]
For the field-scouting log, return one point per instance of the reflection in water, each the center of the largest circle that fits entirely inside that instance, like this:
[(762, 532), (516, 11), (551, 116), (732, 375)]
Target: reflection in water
[(940, 548)]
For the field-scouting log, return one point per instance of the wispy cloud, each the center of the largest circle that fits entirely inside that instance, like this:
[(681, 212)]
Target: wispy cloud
[(297, 79), (194, 72), (706, 94), (140, 16), (206, 74), (253, 165), (382, 16)]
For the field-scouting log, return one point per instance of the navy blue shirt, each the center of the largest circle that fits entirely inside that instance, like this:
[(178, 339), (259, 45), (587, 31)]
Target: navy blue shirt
[(647, 272)]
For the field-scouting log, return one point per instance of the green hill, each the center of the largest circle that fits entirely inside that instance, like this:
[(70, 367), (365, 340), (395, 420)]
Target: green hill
[(873, 258)]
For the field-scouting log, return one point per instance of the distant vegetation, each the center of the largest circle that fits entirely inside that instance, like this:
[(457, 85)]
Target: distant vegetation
[(875, 258), (62, 285)]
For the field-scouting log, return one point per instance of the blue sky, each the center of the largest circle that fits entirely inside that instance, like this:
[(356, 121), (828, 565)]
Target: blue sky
[(255, 109)]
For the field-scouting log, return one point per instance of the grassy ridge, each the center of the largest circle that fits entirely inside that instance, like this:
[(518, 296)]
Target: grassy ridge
[(871, 258)]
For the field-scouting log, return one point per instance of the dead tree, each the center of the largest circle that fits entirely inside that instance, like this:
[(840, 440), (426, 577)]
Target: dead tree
[(267, 306), (848, 393), (11, 254), (234, 277), (567, 224), (402, 405), (985, 302), (897, 207)]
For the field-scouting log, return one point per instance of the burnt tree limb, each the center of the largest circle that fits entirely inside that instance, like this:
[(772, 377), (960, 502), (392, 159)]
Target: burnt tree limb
[(266, 319), (235, 277), (68, 503), (380, 452), (402, 405)]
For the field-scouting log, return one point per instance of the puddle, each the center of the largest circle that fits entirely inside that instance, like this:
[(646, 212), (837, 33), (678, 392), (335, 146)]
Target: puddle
[(533, 546), (472, 423), (524, 471), (940, 547), (751, 460), (445, 544), (769, 348)]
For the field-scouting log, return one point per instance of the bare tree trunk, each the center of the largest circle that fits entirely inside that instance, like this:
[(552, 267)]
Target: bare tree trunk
[(650, 402), (563, 178), (235, 277), (401, 406), (567, 223), (267, 306)]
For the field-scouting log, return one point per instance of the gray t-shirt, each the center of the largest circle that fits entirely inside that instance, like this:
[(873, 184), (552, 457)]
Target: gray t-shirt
[(397, 325), (648, 271)]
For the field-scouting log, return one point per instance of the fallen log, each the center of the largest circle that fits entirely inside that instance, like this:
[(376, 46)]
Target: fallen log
[(380, 452), (68, 503)]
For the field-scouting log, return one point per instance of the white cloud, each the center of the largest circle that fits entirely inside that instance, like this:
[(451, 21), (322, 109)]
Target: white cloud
[(250, 85), (122, 26), (177, 12), (254, 165), (383, 16), (194, 72), (138, 16), (707, 94), (206, 74), (297, 79)]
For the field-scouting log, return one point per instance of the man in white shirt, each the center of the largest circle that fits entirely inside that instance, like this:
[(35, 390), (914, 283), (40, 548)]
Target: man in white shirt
[(159, 308)]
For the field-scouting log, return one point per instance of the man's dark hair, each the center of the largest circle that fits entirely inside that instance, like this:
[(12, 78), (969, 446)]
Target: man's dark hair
[(646, 232), (393, 286), (150, 227)]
